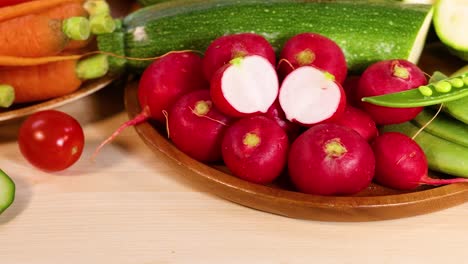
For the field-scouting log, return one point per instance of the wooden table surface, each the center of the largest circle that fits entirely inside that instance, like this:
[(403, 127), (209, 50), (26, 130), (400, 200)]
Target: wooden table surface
[(131, 207)]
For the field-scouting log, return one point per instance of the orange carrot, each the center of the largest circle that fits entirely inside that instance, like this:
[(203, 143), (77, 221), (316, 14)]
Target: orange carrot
[(28, 8), (31, 36), (67, 10), (41, 82), (22, 61)]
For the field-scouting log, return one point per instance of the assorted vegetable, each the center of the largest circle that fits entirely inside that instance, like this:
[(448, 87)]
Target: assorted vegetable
[(270, 98)]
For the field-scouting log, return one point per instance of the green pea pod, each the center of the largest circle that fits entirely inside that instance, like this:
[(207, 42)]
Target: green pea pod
[(443, 126), (440, 91), (459, 108), (442, 155)]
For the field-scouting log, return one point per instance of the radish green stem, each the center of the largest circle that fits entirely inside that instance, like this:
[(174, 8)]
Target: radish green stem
[(400, 72), (92, 67), (7, 95), (102, 24), (334, 148), (202, 108), (76, 28), (251, 140), (305, 57)]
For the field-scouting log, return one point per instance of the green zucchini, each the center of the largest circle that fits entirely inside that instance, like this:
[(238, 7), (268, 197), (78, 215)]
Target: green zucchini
[(7, 191), (450, 21), (442, 155), (366, 32)]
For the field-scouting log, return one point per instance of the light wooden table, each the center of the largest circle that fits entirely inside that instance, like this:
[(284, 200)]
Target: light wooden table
[(131, 207)]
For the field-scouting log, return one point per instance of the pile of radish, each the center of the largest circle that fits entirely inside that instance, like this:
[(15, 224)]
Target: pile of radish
[(298, 114)]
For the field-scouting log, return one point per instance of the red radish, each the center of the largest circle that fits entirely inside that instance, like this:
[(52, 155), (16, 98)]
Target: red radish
[(277, 114), (312, 49), (387, 77), (161, 84), (246, 86), (359, 121), (166, 79), (401, 163), (330, 159), (255, 149), (223, 49), (350, 87), (196, 127), (310, 96)]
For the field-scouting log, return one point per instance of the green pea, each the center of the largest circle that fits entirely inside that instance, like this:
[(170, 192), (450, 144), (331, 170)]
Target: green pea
[(425, 90), (443, 87), (456, 82), (465, 80)]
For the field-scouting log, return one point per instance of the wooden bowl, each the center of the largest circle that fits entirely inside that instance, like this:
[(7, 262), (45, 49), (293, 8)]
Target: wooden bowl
[(374, 203)]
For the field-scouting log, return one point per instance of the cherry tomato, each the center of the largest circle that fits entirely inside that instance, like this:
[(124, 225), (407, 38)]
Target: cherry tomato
[(11, 2), (51, 140)]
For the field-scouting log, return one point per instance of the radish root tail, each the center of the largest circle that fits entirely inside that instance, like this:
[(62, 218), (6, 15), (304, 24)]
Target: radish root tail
[(285, 61), (428, 122), (166, 116), (140, 118)]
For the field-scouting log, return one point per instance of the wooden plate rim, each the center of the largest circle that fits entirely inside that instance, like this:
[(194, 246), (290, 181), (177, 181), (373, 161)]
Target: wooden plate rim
[(87, 88)]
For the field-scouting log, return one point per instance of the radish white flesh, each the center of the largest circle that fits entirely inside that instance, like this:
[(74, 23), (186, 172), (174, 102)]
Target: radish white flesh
[(310, 96), (247, 85)]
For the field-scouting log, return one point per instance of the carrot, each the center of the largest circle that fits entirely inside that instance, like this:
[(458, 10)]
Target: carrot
[(41, 82), (67, 10), (28, 8), (31, 36), (46, 81), (21, 61)]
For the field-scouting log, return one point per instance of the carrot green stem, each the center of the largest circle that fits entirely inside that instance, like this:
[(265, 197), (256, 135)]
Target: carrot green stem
[(76, 28), (102, 24), (7, 95), (95, 7), (92, 67)]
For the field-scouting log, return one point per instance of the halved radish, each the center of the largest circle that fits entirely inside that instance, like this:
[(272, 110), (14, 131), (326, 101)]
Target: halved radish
[(225, 48), (247, 85), (310, 96)]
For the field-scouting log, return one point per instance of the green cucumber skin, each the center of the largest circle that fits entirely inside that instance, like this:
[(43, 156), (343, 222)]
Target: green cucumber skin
[(7, 191), (443, 126), (366, 32), (442, 155)]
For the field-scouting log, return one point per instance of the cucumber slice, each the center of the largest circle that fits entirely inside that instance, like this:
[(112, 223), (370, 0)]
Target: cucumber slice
[(450, 21), (7, 191)]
